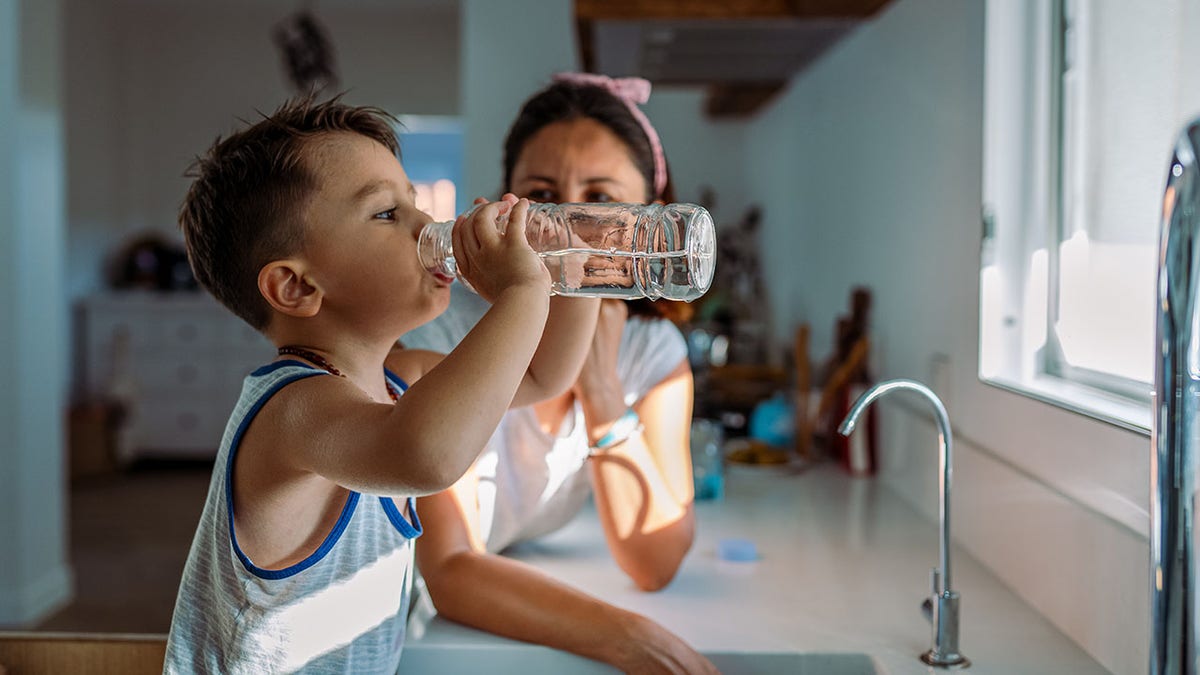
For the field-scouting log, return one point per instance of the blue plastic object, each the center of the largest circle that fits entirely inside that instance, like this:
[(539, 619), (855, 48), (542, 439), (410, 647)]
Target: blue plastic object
[(772, 421), (737, 550)]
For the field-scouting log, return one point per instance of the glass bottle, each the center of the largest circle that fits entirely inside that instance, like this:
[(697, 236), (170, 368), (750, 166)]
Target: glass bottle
[(607, 250)]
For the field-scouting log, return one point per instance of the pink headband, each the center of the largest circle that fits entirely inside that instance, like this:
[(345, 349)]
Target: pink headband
[(632, 91)]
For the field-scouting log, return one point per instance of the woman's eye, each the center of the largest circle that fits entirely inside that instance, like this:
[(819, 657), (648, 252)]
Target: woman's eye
[(540, 196), (390, 214), (599, 197)]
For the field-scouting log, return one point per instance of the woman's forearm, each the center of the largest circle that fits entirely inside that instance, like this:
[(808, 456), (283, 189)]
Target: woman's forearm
[(643, 484), (512, 599), (648, 527)]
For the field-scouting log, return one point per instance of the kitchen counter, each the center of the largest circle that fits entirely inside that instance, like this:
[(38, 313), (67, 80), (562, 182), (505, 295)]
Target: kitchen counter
[(843, 565)]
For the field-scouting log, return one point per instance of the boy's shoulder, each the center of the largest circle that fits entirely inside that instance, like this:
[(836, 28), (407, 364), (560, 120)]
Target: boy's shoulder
[(411, 364)]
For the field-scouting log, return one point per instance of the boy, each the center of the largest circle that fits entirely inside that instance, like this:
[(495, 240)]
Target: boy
[(304, 226)]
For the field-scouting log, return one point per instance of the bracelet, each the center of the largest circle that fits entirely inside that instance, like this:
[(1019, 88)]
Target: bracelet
[(620, 431)]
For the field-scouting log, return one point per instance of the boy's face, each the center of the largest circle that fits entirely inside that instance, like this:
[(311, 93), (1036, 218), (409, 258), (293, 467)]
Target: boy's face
[(361, 238)]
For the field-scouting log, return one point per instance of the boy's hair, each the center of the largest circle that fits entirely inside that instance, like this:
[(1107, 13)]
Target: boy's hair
[(246, 206)]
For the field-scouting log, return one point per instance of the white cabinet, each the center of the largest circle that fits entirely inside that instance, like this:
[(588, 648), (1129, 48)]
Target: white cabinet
[(175, 361)]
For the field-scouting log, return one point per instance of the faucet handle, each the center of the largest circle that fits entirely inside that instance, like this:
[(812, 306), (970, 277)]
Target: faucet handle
[(935, 581)]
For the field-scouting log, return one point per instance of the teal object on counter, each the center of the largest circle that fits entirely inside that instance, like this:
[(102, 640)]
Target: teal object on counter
[(708, 459), (773, 421)]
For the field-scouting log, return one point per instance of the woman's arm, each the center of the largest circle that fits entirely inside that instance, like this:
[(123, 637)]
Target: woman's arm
[(643, 485), (510, 598), (563, 347)]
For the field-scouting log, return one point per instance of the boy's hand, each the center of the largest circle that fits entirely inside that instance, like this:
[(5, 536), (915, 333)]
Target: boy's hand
[(492, 261)]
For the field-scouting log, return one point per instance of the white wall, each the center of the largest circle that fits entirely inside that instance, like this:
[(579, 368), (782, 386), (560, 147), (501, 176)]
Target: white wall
[(151, 84), (701, 151), (870, 170), (509, 50), (34, 575)]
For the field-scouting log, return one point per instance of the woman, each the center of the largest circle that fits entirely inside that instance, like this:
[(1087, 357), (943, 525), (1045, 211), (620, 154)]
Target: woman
[(620, 433)]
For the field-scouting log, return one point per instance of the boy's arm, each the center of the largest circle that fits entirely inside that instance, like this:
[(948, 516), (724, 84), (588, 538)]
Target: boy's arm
[(433, 433), (565, 343), (513, 599), (429, 438)]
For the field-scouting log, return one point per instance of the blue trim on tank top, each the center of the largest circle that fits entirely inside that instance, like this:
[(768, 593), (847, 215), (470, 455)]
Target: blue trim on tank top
[(406, 529), (409, 530), (347, 510), (276, 365), (396, 378)]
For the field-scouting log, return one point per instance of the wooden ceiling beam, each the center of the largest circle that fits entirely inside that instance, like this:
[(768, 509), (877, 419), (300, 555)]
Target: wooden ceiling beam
[(724, 99), (739, 100)]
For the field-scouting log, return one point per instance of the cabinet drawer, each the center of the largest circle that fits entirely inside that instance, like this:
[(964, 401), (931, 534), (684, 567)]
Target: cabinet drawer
[(192, 376), (190, 330), (182, 426), (131, 328)]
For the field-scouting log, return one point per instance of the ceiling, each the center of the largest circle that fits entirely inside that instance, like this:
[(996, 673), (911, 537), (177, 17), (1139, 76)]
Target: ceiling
[(742, 51)]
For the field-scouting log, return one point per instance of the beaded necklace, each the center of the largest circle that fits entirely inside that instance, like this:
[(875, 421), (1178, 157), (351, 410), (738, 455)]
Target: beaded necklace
[(324, 363)]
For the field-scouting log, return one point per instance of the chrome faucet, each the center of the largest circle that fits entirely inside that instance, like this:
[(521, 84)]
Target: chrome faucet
[(1176, 418), (943, 604)]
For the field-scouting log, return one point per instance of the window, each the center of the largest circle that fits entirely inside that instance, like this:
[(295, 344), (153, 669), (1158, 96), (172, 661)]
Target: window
[(432, 149), (1083, 101)]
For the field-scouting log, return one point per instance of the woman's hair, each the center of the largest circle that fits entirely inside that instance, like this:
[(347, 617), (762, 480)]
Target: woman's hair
[(567, 101)]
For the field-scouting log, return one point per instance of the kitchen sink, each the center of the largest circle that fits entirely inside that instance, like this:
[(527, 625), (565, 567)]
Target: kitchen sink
[(532, 659)]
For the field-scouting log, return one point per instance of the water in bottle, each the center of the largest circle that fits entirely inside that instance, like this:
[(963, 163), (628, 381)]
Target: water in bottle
[(607, 250)]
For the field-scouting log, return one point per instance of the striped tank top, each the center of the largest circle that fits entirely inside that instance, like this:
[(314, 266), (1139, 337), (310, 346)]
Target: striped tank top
[(340, 610)]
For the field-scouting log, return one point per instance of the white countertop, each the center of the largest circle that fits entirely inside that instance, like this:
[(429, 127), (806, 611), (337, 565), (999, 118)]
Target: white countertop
[(843, 567)]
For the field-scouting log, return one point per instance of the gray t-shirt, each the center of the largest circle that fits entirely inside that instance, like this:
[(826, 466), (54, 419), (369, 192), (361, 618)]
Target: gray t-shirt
[(340, 610)]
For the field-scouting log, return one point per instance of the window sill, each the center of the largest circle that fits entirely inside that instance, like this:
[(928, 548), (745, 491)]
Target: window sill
[(1125, 413)]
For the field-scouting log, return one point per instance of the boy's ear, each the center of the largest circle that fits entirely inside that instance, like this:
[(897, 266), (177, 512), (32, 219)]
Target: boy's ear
[(287, 289)]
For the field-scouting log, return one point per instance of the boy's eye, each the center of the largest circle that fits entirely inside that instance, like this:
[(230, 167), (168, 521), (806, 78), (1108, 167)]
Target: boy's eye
[(390, 214)]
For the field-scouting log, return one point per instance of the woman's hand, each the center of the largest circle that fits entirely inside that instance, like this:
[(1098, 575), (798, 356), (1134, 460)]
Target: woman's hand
[(653, 649), (492, 261)]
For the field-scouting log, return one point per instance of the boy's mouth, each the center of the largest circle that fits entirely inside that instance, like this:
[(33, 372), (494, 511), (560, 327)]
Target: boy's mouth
[(443, 278)]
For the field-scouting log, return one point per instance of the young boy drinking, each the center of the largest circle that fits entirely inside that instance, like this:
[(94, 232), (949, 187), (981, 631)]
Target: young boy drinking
[(303, 225)]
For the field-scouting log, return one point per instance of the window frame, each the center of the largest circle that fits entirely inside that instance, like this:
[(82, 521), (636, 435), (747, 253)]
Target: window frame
[(1025, 223)]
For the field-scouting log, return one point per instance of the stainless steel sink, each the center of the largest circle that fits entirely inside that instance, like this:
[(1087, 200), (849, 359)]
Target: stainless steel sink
[(522, 659)]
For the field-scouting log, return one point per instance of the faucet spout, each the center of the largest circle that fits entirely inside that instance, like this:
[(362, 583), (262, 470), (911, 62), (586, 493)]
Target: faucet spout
[(944, 601), (1176, 417)]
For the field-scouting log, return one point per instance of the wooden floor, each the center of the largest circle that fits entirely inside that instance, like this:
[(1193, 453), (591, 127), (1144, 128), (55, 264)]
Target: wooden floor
[(130, 535)]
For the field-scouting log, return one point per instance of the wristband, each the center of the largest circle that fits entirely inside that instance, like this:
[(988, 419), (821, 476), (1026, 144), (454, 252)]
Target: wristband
[(620, 431)]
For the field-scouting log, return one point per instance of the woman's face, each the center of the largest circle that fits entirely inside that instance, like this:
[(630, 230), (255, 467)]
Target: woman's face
[(579, 160)]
